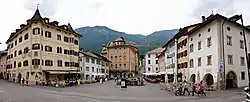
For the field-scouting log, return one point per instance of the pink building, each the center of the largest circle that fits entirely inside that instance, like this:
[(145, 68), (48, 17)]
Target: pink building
[(161, 62), (3, 59)]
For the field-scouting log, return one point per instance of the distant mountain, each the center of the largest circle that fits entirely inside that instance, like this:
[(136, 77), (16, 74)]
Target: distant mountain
[(95, 37)]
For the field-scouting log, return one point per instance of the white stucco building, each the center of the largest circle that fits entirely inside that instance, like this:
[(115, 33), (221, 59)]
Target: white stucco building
[(206, 53), (93, 65), (151, 59), (171, 60)]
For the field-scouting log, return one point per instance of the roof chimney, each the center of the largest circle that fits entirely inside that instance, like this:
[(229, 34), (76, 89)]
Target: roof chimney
[(203, 18)]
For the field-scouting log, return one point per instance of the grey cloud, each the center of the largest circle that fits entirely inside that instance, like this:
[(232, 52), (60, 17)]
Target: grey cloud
[(205, 7), (47, 7)]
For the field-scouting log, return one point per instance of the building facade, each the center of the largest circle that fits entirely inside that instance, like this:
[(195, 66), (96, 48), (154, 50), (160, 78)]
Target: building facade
[(42, 50), (123, 57), (3, 59), (216, 52), (93, 65), (152, 62)]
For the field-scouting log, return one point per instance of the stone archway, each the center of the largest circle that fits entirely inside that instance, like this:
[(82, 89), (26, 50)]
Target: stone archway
[(19, 78), (208, 78), (192, 78), (231, 80)]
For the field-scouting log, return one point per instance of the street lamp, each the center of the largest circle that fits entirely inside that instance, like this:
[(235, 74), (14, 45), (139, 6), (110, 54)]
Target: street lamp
[(234, 19)]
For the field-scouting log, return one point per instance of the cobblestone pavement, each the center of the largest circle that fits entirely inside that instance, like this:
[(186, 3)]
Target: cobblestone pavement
[(106, 92)]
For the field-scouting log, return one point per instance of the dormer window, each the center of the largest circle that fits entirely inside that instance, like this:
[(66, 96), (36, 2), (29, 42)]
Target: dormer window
[(36, 31)]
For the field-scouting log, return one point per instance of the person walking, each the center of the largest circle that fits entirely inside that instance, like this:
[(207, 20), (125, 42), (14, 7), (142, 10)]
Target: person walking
[(193, 88), (186, 88)]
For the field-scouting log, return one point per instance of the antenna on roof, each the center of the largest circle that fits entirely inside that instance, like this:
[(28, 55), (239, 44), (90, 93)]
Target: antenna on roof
[(212, 12)]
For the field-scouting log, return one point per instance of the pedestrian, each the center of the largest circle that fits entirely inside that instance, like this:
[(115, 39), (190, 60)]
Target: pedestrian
[(186, 88), (193, 88), (23, 81)]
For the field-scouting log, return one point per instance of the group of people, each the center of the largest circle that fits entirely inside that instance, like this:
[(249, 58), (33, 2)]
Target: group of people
[(183, 87)]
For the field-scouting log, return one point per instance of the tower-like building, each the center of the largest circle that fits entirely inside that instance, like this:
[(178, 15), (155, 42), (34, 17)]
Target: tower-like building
[(42, 50), (123, 57)]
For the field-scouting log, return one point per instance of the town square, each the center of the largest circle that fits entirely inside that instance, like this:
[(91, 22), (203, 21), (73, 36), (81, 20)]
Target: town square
[(123, 51)]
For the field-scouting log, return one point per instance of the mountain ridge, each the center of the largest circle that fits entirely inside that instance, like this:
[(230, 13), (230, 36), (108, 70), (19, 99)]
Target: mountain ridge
[(93, 38)]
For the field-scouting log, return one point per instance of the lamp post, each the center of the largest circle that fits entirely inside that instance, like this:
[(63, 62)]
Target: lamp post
[(234, 19)]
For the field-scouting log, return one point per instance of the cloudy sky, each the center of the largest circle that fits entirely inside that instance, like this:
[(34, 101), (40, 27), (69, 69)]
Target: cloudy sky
[(130, 16)]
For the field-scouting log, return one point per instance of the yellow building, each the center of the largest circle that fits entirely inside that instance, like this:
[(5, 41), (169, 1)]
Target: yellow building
[(42, 50), (123, 57)]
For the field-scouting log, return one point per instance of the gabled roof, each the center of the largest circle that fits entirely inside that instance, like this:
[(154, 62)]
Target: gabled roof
[(180, 33), (210, 19), (94, 55), (37, 16), (155, 51)]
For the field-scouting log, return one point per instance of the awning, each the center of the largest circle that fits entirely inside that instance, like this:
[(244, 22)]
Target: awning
[(63, 72), (151, 73)]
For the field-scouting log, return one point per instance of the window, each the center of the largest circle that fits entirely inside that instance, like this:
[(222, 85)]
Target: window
[(71, 64), (230, 59), (191, 48), (20, 39), (19, 52), (149, 69), (87, 68), (19, 64), (209, 60), (66, 51), (199, 45), (241, 44), (48, 48), (208, 30), (35, 61), (111, 57), (47, 34), (115, 65), (124, 58), (241, 33), (93, 60), (148, 55), (199, 61), (115, 57), (25, 63), (15, 53), (120, 65), (191, 63), (209, 43), (76, 42), (156, 61), (87, 59), (199, 35), (242, 61), (48, 63), (66, 39), (59, 63), (14, 65), (148, 61), (93, 69), (59, 50), (16, 42), (242, 75), (36, 46), (228, 28), (229, 40), (66, 64), (26, 36), (36, 31), (125, 66), (58, 37), (25, 50)]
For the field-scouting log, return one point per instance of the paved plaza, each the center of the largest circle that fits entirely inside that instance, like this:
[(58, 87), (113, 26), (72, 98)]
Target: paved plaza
[(106, 92)]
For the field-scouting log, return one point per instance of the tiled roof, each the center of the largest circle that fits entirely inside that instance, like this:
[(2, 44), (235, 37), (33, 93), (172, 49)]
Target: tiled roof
[(157, 50)]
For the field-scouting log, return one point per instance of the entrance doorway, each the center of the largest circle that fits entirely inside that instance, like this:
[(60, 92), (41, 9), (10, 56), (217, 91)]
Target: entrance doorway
[(19, 77), (231, 80), (192, 78), (208, 78)]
